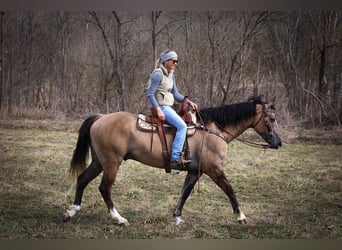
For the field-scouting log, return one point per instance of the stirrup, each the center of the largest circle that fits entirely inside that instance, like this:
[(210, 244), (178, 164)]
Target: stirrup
[(186, 166), (180, 163)]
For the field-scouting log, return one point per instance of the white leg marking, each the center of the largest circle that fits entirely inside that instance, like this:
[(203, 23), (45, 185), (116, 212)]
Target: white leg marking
[(179, 221), (115, 215), (73, 209)]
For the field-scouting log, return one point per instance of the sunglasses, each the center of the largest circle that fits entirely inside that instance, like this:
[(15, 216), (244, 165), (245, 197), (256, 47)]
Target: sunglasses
[(175, 62)]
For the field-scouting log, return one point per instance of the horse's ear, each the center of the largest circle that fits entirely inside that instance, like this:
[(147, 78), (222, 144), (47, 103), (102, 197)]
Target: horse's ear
[(271, 105)]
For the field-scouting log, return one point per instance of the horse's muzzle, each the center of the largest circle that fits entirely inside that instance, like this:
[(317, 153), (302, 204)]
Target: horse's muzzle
[(275, 143)]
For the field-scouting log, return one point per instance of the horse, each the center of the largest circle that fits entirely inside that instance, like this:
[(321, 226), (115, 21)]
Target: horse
[(113, 138)]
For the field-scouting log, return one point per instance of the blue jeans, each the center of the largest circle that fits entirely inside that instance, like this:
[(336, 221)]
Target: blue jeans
[(175, 120)]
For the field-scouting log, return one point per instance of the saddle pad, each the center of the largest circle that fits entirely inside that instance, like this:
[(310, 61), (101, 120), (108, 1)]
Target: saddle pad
[(143, 125)]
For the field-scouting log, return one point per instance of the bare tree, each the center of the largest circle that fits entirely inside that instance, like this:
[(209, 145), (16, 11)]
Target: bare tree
[(325, 25), (119, 62), (57, 62), (252, 24), (63, 19), (288, 39), (110, 77), (154, 20), (212, 21)]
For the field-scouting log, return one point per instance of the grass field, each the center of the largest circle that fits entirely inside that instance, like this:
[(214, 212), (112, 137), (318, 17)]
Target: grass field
[(293, 192)]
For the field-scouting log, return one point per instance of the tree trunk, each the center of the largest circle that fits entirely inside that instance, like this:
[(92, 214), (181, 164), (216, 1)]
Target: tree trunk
[(119, 61), (154, 18), (1, 58), (322, 88)]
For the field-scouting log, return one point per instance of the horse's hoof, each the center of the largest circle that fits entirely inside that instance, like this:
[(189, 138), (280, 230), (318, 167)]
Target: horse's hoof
[(66, 216), (123, 222), (179, 221), (243, 222)]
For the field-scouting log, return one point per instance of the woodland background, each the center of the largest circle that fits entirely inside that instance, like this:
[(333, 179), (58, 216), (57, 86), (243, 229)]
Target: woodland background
[(69, 64)]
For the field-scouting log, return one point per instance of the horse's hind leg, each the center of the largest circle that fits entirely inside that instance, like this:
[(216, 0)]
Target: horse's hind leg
[(189, 183), (83, 180), (221, 180), (105, 188)]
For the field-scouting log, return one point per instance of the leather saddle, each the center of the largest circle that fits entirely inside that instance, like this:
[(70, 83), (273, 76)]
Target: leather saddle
[(150, 123)]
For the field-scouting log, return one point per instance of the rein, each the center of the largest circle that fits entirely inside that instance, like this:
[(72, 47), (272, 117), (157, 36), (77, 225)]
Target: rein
[(200, 157), (249, 143), (214, 132)]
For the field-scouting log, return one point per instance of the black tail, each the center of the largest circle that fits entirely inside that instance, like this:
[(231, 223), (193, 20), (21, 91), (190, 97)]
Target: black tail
[(81, 152)]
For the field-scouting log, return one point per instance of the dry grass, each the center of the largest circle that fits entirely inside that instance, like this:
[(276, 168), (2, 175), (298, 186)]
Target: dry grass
[(294, 192)]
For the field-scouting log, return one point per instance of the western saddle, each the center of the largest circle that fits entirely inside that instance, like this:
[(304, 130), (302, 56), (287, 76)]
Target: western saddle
[(151, 123)]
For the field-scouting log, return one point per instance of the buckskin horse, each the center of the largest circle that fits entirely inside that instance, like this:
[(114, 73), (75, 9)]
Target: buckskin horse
[(114, 137)]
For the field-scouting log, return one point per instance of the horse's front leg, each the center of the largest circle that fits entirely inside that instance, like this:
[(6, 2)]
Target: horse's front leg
[(189, 183), (218, 176)]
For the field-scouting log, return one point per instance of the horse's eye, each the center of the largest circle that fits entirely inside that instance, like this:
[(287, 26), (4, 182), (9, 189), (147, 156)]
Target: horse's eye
[(272, 119)]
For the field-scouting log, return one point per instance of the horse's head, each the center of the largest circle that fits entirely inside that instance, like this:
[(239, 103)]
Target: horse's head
[(265, 124)]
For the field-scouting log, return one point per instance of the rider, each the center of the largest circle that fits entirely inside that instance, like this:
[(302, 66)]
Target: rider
[(162, 93)]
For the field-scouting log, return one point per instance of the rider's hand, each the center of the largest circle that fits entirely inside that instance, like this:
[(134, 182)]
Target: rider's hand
[(160, 114), (192, 104)]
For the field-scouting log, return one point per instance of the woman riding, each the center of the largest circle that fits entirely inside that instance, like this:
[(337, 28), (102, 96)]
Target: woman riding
[(162, 93)]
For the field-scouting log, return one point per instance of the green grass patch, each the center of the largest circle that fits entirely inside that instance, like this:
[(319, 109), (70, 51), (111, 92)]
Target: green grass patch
[(293, 192)]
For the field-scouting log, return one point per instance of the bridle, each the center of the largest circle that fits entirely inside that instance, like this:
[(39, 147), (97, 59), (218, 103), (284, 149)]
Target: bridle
[(246, 142)]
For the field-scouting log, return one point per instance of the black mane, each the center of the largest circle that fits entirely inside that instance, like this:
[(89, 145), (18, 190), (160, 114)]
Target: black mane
[(229, 114)]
